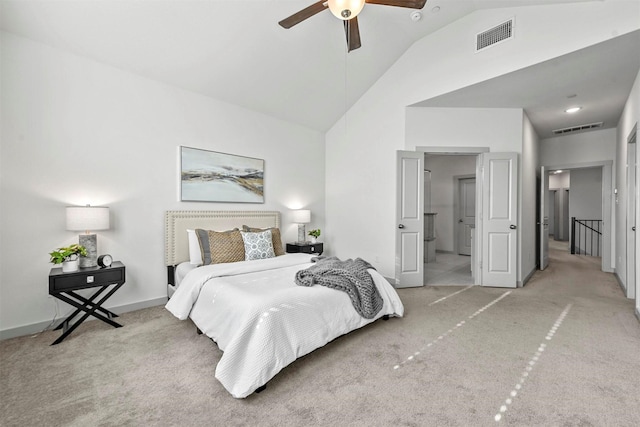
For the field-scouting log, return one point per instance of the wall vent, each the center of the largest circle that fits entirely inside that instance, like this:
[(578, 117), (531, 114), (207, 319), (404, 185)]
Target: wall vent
[(494, 35), (578, 128)]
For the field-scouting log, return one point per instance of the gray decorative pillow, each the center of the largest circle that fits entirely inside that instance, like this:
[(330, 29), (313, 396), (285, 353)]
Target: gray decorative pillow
[(275, 238), (257, 245)]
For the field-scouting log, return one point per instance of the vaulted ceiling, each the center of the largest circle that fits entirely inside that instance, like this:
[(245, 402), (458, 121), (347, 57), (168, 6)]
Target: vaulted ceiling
[(235, 51)]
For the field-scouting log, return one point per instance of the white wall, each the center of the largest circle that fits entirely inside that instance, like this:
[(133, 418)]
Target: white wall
[(75, 131), (630, 117), (443, 189), (498, 128), (585, 202), (585, 197), (584, 147), (560, 180), (378, 124), (502, 129)]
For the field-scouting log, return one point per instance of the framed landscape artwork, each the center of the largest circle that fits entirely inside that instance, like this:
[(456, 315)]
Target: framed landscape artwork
[(210, 176)]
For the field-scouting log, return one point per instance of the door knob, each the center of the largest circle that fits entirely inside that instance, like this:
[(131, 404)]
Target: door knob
[(400, 226), (633, 228), (459, 220), (513, 227)]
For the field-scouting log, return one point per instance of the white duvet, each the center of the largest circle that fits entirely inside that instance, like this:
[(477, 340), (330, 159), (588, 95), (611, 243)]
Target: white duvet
[(262, 320)]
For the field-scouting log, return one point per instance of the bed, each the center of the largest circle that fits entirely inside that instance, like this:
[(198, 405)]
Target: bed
[(254, 311)]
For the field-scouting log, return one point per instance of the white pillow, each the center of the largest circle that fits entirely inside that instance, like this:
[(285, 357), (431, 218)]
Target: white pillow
[(195, 254), (258, 245)]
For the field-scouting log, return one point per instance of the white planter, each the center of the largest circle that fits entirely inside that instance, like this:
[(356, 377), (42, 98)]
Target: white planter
[(314, 240), (70, 266)]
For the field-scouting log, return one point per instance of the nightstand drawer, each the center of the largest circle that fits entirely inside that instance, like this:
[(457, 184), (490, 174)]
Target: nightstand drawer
[(86, 278), (311, 248)]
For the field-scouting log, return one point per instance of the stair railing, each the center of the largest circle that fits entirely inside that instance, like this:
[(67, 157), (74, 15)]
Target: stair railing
[(585, 236)]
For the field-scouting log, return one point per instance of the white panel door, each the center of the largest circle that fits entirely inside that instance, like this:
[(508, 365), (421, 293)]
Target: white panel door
[(631, 220), (410, 219), (544, 219), (466, 214), (636, 219), (499, 219)]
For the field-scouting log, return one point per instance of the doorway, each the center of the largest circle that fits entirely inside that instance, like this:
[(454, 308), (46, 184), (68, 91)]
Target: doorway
[(590, 198), (450, 193), (496, 234)]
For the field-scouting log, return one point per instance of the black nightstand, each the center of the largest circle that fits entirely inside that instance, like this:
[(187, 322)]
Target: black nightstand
[(307, 248), (62, 286)]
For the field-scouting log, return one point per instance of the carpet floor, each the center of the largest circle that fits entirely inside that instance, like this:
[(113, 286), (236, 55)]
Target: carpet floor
[(562, 351)]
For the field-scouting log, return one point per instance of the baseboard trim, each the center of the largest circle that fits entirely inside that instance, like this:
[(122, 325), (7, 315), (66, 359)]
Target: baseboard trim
[(622, 286), (36, 328), (520, 284)]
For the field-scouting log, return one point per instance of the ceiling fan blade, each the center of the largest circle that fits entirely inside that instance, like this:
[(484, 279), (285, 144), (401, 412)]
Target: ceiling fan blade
[(412, 4), (352, 32), (305, 13)]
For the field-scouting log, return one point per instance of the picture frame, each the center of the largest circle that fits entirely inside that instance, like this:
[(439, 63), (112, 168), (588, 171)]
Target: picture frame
[(212, 176)]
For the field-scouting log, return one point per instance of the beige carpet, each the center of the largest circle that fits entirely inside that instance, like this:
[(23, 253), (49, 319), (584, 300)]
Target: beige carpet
[(562, 351)]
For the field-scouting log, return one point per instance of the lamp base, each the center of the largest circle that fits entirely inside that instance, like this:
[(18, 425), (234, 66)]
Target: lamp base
[(301, 233), (90, 242)]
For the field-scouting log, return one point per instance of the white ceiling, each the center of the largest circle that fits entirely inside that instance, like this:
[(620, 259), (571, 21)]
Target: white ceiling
[(598, 79), (236, 52)]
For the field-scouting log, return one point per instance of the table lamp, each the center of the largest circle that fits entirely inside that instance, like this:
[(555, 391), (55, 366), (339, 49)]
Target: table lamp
[(301, 217), (88, 218)]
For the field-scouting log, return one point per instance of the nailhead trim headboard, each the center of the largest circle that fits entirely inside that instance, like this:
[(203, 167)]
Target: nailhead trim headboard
[(177, 223)]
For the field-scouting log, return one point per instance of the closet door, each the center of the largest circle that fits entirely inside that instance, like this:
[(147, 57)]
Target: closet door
[(499, 219), (410, 219)]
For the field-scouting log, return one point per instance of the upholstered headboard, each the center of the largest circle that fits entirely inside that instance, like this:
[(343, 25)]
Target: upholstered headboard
[(177, 223)]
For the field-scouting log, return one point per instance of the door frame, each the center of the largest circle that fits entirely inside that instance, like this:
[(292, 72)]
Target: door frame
[(456, 208), (607, 206), (467, 151), (630, 223)]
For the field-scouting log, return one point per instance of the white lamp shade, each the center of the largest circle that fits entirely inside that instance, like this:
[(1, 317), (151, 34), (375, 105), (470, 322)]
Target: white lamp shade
[(302, 216), (87, 218), (346, 9)]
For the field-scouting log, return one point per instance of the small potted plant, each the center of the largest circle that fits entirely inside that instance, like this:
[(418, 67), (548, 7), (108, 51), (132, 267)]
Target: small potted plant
[(68, 257), (314, 235)]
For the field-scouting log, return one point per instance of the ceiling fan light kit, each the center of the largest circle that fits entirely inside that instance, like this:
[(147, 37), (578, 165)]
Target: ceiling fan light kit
[(347, 11)]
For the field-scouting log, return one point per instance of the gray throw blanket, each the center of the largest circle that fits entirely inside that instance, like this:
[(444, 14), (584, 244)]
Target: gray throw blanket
[(348, 276)]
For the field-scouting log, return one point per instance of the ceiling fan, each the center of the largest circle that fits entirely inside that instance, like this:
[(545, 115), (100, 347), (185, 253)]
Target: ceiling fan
[(348, 11)]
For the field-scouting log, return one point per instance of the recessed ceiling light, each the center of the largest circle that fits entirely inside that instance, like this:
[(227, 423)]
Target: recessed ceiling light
[(435, 9), (558, 171), (573, 110)]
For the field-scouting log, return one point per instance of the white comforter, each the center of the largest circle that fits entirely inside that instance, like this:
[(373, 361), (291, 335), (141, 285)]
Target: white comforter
[(262, 320)]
